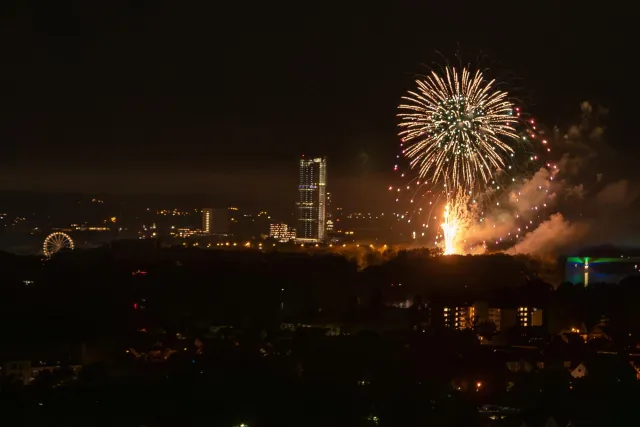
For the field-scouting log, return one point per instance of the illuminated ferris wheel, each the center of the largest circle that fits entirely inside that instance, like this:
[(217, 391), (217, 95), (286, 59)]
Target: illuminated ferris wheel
[(55, 242)]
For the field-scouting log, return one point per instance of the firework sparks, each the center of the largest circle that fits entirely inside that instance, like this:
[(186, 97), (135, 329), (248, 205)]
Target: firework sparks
[(468, 144), (456, 129), (449, 229)]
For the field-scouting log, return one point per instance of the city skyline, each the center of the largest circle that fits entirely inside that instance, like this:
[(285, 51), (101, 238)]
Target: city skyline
[(358, 133)]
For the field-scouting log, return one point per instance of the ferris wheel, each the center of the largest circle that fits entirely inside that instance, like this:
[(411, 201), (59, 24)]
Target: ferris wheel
[(55, 242)]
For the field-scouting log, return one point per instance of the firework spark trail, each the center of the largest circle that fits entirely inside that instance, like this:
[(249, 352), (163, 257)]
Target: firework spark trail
[(457, 218), (449, 229), (455, 128)]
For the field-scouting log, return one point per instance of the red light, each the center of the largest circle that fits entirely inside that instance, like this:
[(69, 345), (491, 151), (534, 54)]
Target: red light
[(135, 305)]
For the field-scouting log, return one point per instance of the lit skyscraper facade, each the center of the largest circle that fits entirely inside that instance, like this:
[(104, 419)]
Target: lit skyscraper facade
[(312, 203), (215, 221), (329, 215), (281, 232), (207, 215)]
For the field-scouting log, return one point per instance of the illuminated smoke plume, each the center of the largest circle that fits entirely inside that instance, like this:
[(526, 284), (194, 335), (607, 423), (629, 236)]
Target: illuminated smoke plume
[(581, 206), (550, 237), (512, 215)]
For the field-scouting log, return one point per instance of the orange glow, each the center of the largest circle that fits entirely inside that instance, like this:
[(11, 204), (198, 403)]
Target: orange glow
[(449, 228)]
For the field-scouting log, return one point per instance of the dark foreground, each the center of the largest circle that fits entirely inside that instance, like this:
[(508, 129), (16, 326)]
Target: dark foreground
[(325, 381)]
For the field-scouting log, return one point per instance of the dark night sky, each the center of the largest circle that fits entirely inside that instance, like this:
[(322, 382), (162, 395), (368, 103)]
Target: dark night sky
[(170, 97)]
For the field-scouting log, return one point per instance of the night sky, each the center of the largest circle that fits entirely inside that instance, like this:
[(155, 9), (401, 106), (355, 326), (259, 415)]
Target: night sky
[(170, 97)]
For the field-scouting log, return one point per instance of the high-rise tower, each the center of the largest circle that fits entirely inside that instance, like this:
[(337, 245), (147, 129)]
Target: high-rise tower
[(329, 215), (312, 201), (215, 221)]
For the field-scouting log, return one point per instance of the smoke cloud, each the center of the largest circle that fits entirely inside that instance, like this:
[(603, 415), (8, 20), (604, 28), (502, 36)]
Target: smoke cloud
[(550, 237), (513, 215), (561, 206), (617, 194)]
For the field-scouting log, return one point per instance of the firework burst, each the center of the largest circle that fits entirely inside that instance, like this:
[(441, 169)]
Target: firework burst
[(457, 129), (471, 153)]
